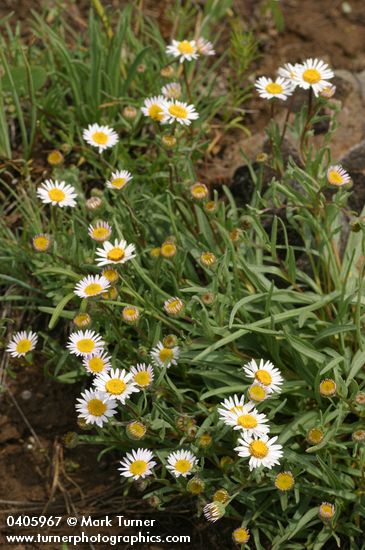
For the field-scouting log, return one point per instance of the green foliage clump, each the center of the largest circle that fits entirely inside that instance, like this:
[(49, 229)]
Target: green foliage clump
[(275, 278)]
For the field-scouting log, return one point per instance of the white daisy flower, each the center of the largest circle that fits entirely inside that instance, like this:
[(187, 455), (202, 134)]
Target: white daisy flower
[(233, 404), (270, 89), (100, 232), (179, 111), (336, 175), (57, 193), (21, 343), (264, 374), (181, 463), (163, 356), (98, 362), (119, 179), (153, 107), (91, 286), (261, 450), (137, 464), (249, 421), (85, 342), (184, 49), (101, 137), (313, 73), (119, 253), (289, 72), (205, 47), (172, 90), (142, 375), (96, 407), (173, 306), (118, 383)]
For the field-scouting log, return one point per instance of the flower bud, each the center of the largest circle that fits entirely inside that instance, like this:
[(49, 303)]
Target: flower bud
[(195, 485), (213, 511)]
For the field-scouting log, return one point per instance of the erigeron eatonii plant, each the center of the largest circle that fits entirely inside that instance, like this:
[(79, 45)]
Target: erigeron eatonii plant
[(215, 365)]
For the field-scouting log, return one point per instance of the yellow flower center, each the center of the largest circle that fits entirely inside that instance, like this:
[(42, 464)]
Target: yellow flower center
[(174, 304), (138, 467), (178, 111), (111, 275), (195, 486), (183, 465), (115, 386), (23, 346), (210, 206), (315, 435), (312, 76), (56, 195), (205, 440), (258, 449), (199, 191), (96, 364), (274, 88), (284, 481), (257, 393), (101, 232), (101, 138), (118, 182), (142, 378), (326, 510), (93, 289), (136, 429), (247, 421), (130, 313), (168, 250), (155, 112), (327, 387), (86, 345), (96, 407), (185, 47), (41, 243), (115, 254), (241, 535), (264, 377), (166, 354), (221, 496), (55, 157), (335, 178), (82, 320), (169, 141), (208, 258)]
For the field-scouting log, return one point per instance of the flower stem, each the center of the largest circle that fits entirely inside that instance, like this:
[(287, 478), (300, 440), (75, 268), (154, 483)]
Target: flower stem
[(186, 80), (288, 112)]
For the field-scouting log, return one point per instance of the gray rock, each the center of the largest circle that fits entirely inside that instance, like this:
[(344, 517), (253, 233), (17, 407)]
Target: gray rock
[(354, 159)]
